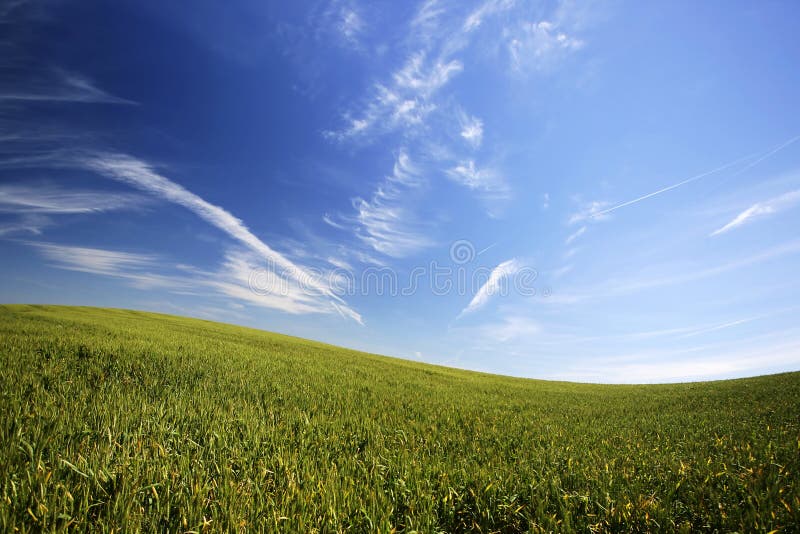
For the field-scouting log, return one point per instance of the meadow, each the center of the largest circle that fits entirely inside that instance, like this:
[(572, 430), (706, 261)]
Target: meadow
[(115, 420)]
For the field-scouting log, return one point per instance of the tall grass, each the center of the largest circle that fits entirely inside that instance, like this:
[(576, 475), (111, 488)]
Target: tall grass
[(115, 420)]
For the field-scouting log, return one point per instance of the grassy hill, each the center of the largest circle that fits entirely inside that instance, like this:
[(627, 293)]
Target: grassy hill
[(124, 420)]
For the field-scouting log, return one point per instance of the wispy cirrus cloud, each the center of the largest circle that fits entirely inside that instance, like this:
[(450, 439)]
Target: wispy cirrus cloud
[(340, 22), (47, 198), (411, 100), (34, 207), (137, 269), (594, 210), (493, 285), (57, 85), (141, 175), (95, 260), (404, 102), (761, 210), (425, 76), (484, 10), (241, 278), (426, 21), (32, 223), (471, 129), (406, 98), (537, 45), (485, 180), (575, 235), (385, 222), (329, 220), (350, 24)]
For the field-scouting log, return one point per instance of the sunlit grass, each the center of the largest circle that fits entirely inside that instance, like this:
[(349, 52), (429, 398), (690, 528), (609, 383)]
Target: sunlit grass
[(121, 420)]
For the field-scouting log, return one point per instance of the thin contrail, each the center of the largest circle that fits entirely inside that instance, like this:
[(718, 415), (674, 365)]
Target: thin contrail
[(487, 248), (767, 155), (703, 175)]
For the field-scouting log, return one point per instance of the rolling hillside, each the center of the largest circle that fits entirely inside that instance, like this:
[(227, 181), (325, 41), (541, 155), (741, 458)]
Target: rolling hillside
[(124, 420)]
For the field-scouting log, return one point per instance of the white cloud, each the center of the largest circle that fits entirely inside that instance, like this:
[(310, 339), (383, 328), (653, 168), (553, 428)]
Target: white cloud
[(404, 171), (59, 86), (384, 222), (411, 112), (490, 7), (493, 285), (94, 260), (136, 268), (546, 201), (575, 235), (328, 219), (340, 264), (53, 199), (488, 181), (761, 210), (426, 21), (350, 24), (537, 44), (139, 174), (26, 223), (471, 129), (34, 207), (423, 77), (385, 227), (405, 102), (590, 211), (242, 277)]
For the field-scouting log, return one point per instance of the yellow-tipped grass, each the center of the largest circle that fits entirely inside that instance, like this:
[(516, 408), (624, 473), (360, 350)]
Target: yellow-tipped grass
[(122, 421)]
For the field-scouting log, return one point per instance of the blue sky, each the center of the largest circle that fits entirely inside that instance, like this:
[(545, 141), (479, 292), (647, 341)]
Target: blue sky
[(593, 191)]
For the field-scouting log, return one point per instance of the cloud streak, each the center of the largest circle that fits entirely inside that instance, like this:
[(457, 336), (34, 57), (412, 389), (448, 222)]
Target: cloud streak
[(492, 286), (575, 235), (139, 174), (487, 181), (27, 223), (233, 280), (384, 222), (761, 210), (63, 87), (52, 199), (471, 130), (539, 44), (35, 207), (700, 176), (94, 260), (405, 101)]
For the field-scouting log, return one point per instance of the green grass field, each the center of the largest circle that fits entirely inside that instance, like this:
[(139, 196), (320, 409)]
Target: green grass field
[(121, 420)]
